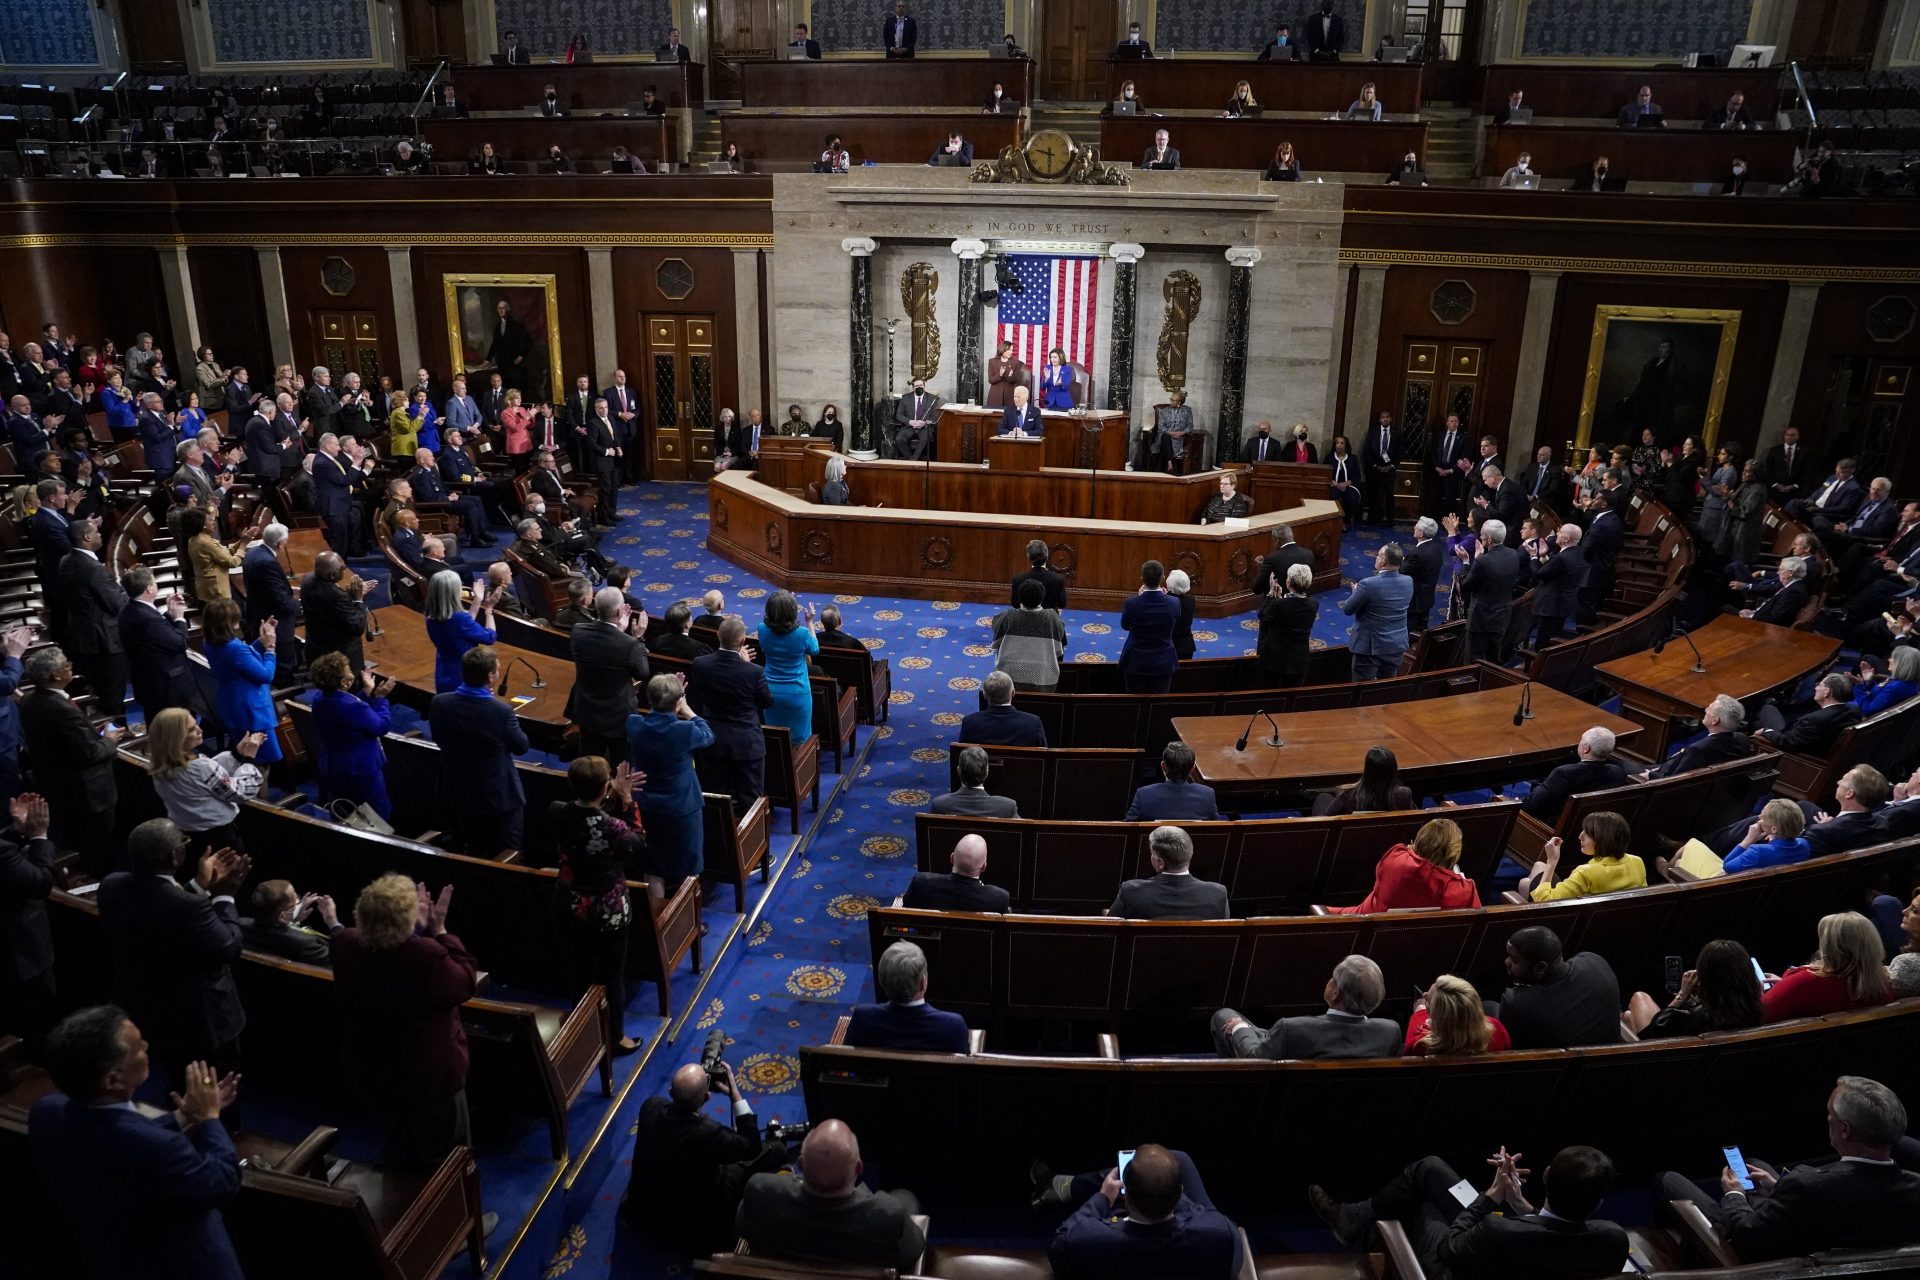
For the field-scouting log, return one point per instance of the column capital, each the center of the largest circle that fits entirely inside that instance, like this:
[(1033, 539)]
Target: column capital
[(1126, 252), (1243, 255), (967, 249), (859, 246)]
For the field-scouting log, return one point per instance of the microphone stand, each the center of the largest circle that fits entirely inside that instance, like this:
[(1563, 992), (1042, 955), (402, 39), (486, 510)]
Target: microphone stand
[(1274, 741), (1524, 712), (539, 682), (1699, 663)]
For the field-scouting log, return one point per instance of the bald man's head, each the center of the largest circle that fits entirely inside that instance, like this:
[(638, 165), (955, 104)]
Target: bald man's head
[(688, 1088), (1153, 1183), (830, 1160), (970, 856), (713, 602)]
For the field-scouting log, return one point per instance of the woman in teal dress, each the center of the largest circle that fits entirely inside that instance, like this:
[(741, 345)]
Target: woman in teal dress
[(785, 644), (660, 745)]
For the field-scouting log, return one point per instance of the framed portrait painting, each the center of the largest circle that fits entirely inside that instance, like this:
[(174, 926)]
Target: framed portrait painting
[(1663, 368), (510, 323)]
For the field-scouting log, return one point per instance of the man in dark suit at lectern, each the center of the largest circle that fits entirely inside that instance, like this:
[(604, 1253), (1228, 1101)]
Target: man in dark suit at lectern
[(1021, 417)]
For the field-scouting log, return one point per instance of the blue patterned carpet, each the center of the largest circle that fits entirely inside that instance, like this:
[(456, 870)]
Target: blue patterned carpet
[(798, 960)]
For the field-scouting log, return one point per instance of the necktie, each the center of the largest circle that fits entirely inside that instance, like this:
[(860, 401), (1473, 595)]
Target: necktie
[(1449, 449), (754, 447), (1539, 478), (1386, 442), (1789, 458)]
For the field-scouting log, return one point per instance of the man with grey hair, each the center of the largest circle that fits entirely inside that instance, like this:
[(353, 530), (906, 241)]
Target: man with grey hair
[(999, 724), (72, 762), (157, 435), (528, 548), (1285, 554), (608, 657), (1594, 769), (1489, 584), (906, 1020), (320, 402), (706, 627), (1814, 733), (1875, 521), (1502, 500), (1380, 605), (1423, 567), (1863, 1200), (1558, 570), (1345, 1030), (961, 889), (1173, 892), (971, 798), (192, 472), (1783, 607), (1724, 720)]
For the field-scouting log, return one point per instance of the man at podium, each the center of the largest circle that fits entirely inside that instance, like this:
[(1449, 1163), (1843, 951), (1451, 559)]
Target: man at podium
[(1021, 418)]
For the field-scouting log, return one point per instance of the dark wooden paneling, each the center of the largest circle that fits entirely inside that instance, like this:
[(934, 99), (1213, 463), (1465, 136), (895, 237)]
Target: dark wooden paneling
[(1840, 329), (1602, 91), (1759, 302), (306, 297), (923, 82), (787, 142), (1291, 86), (231, 312), (636, 295), (91, 292), (603, 86), (1210, 142), (528, 138), (567, 266), (1496, 325), (1639, 155)]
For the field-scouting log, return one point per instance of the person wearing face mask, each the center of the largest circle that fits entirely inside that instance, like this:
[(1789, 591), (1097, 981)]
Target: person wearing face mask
[(913, 418), (831, 429), (1261, 446), (796, 423), (1282, 48), (550, 104), (1130, 94), (1522, 168), (1595, 178), (1135, 45), (1736, 180), (1408, 172), (1326, 34), (998, 103)]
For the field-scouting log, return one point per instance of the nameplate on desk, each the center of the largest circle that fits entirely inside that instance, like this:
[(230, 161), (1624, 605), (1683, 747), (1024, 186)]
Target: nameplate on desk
[(1236, 522)]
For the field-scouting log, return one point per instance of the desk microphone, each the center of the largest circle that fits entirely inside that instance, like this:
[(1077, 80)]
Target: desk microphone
[(538, 681), (1524, 712), (1246, 733), (1699, 663)]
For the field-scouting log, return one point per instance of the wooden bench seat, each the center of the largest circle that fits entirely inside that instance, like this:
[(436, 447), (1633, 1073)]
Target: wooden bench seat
[(1887, 740), (1059, 783), (1699, 800), (735, 847)]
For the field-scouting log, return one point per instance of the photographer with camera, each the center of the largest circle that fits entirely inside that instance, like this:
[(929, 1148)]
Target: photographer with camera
[(689, 1169)]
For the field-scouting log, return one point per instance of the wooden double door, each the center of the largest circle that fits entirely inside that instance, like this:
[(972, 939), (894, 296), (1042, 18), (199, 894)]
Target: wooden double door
[(738, 31), (680, 392), (349, 343), (1075, 38)]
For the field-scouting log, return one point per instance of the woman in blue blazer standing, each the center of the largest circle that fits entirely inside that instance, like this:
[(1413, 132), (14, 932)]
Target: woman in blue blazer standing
[(1056, 382), (1148, 658), (1902, 682), (242, 677), (352, 763), (660, 744), (785, 644), (452, 629)]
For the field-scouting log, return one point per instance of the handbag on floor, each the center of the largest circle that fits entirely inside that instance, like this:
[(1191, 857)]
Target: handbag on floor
[(361, 817)]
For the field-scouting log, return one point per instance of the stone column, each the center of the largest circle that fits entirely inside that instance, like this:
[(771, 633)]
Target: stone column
[(273, 296), (1336, 344), (860, 340), (177, 280), (1126, 283), (746, 325), (1788, 357), (1531, 379), (971, 362), (1233, 361), (406, 319), (1367, 305), (606, 348)]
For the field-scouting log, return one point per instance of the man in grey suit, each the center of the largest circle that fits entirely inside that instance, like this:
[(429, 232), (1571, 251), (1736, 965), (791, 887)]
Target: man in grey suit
[(607, 659), (1173, 893), (1345, 1030), (972, 798), (1380, 605)]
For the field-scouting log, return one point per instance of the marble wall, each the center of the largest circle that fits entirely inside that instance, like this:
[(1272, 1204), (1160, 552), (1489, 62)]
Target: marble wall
[(1633, 28), (48, 33), (914, 215)]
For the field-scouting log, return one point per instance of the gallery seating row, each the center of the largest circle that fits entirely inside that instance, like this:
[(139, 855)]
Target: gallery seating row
[(1270, 866), (1261, 1130), (1889, 741), (527, 1060), (1695, 801), (1062, 784), (1164, 975), (502, 910)]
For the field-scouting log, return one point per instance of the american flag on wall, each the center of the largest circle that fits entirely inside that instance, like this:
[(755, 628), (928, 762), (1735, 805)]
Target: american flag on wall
[(1054, 308)]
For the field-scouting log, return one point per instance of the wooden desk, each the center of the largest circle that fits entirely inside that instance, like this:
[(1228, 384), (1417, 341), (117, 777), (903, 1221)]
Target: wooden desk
[(1096, 438), (921, 82), (1685, 94), (1164, 83), (786, 141), (1210, 142), (1288, 484), (1441, 742), (1015, 454), (1743, 659), (1638, 155), (604, 86), (405, 655), (960, 546), (528, 137)]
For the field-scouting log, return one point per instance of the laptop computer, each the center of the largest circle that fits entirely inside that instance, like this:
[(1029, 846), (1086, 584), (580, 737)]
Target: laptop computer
[(1396, 52), (946, 161), (1520, 115), (1125, 107), (722, 166), (1413, 178), (796, 54), (1650, 122), (1526, 182)]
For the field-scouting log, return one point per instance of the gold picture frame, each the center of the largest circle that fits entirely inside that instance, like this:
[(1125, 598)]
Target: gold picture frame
[(470, 304), (1612, 348)]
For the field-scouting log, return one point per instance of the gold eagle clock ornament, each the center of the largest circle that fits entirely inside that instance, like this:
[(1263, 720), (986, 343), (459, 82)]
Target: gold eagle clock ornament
[(1049, 156)]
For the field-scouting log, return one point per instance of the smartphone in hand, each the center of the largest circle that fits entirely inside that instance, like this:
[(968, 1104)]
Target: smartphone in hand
[(1738, 1163)]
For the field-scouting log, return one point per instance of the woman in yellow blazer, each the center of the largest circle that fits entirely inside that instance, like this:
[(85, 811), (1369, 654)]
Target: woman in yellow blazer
[(1609, 868), (208, 559), (402, 429)]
